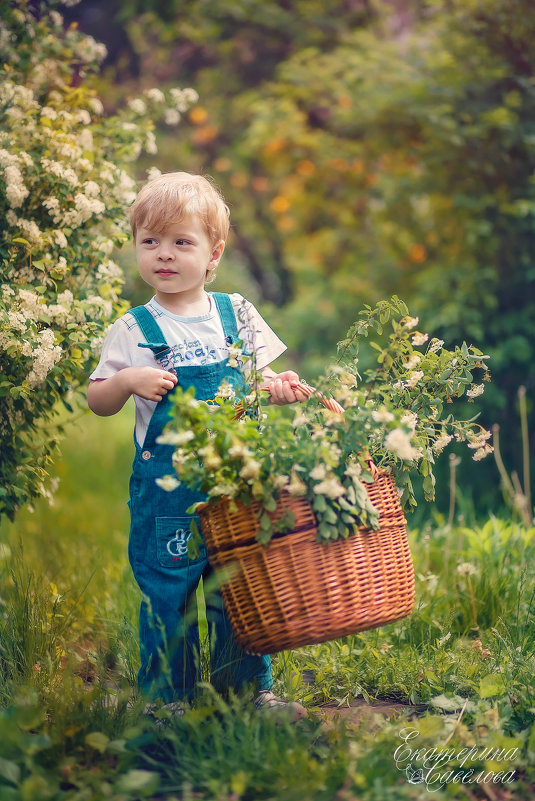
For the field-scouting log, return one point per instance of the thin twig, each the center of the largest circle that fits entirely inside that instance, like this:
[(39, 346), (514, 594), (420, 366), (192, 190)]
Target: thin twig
[(452, 732)]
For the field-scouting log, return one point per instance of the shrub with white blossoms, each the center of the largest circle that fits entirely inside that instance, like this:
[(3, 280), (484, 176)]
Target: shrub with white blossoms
[(65, 189), (398, 417)]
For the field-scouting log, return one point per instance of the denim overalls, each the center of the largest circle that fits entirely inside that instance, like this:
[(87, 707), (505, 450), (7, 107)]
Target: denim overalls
[(160, 528)]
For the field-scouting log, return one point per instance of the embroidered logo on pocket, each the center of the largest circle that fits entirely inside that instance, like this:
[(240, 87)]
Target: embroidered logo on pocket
[(172, 537), (178, 546)]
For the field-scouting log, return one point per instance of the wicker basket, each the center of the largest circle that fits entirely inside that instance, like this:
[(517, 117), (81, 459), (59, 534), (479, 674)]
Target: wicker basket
[(296, 591)]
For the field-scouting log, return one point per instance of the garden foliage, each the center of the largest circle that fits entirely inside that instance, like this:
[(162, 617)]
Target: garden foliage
[(65, 188), (368, 150), (397, 414)]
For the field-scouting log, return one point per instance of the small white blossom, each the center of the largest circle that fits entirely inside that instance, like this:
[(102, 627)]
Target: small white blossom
[(475, 391), (318, 472), (482, 452), (330, 487), (382, 416), (419, 339), (414, 378), (412, 361), (152, 173), (436, 345), (441, 442), (296, 487), (156, 95), (250, 470), (399, 443), (410, 419), (175, 437), (168, 483), (172, 116), (410, 322), (137, 105), (238, 451), (466, 569)]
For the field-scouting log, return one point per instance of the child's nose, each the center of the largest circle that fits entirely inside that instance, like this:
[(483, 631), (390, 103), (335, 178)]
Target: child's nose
[(165, 253)]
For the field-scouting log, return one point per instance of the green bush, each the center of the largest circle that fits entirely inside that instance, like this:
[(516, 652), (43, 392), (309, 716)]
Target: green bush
[(64, 194)]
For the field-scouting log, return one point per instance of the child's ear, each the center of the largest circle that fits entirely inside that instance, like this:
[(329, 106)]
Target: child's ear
[(217, 252)]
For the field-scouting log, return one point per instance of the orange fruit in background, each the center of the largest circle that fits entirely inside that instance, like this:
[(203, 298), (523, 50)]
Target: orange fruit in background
[(417, 253), (280, 204), (198, 115)]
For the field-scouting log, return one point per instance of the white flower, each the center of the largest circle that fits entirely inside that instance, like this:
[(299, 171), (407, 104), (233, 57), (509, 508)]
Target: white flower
[(466, 569), (137, 105), (234, 354), (226, 391), (250, 470), (331, 487), (175, 438), (399, 443), (299, 419), (412, 361), (482, 452), (280, 482), (353, 470), (150, 143), (152, 173), (414, 378), (475, 390), (96, 106), (172, 116), (441, 442), (168, 483), (238, 451), (479, 440), (410, 322), (156, 95), (91, 188), (419, 339), (318, 472), (410, 419), (296, 486), (436, 345), (382, 416)]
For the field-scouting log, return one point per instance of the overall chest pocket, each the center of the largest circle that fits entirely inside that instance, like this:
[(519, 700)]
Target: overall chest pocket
[(172, 536)]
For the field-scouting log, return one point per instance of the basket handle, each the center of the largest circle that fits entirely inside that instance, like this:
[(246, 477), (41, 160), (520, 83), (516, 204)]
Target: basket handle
[(329, 403)]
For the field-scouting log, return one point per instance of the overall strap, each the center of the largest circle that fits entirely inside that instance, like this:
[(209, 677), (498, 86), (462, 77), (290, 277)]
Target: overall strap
[(150, 329), (227, 315)]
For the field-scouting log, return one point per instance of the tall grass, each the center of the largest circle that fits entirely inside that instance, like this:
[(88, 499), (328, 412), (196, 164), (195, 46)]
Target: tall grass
[(72, 727)]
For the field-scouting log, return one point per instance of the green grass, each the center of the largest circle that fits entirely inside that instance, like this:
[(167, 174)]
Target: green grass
[(72, 727)]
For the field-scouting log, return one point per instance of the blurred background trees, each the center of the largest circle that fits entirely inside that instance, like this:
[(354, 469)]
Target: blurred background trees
[(365, 148)]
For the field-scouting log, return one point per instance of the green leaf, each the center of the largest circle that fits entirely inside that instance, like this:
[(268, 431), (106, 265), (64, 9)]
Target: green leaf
[(10, 771), (492, 685), (97, 740), (143, 782)]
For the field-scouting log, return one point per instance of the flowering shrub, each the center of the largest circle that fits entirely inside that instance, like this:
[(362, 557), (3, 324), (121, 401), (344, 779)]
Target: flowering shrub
[(64, 195), (396, 412)]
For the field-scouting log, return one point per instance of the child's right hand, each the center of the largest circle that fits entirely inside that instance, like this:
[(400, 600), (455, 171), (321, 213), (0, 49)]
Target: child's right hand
[(150, 383)]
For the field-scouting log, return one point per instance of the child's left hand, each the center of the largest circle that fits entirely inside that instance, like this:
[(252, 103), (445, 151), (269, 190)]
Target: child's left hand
[(281, 389)]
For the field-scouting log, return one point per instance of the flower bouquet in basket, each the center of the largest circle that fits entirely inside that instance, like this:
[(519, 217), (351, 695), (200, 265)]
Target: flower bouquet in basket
[(307, 501)]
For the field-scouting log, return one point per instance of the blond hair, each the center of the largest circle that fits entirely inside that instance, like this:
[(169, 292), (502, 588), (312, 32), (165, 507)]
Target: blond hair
[(172, 196)]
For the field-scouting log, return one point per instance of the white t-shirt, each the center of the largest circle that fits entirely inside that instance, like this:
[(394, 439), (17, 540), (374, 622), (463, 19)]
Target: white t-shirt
[(193, 341)]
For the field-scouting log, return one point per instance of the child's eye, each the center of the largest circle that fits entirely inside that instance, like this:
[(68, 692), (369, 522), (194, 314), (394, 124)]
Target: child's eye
[(148, 241), (182, 241)]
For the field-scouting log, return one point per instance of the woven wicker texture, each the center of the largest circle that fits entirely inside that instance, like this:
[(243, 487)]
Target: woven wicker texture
[(296, 591)]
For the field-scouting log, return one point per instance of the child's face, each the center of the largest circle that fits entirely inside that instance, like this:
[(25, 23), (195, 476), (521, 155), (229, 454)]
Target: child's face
[(175, 261)]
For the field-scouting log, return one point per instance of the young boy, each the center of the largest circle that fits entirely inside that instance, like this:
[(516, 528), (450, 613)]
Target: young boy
[(181, 337)]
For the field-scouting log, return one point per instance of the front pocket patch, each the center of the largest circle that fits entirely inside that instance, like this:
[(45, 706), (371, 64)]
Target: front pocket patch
[(172, 535)]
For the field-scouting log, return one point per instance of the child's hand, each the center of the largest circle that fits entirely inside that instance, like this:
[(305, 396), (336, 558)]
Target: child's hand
[(282, 389), (151, 383)]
